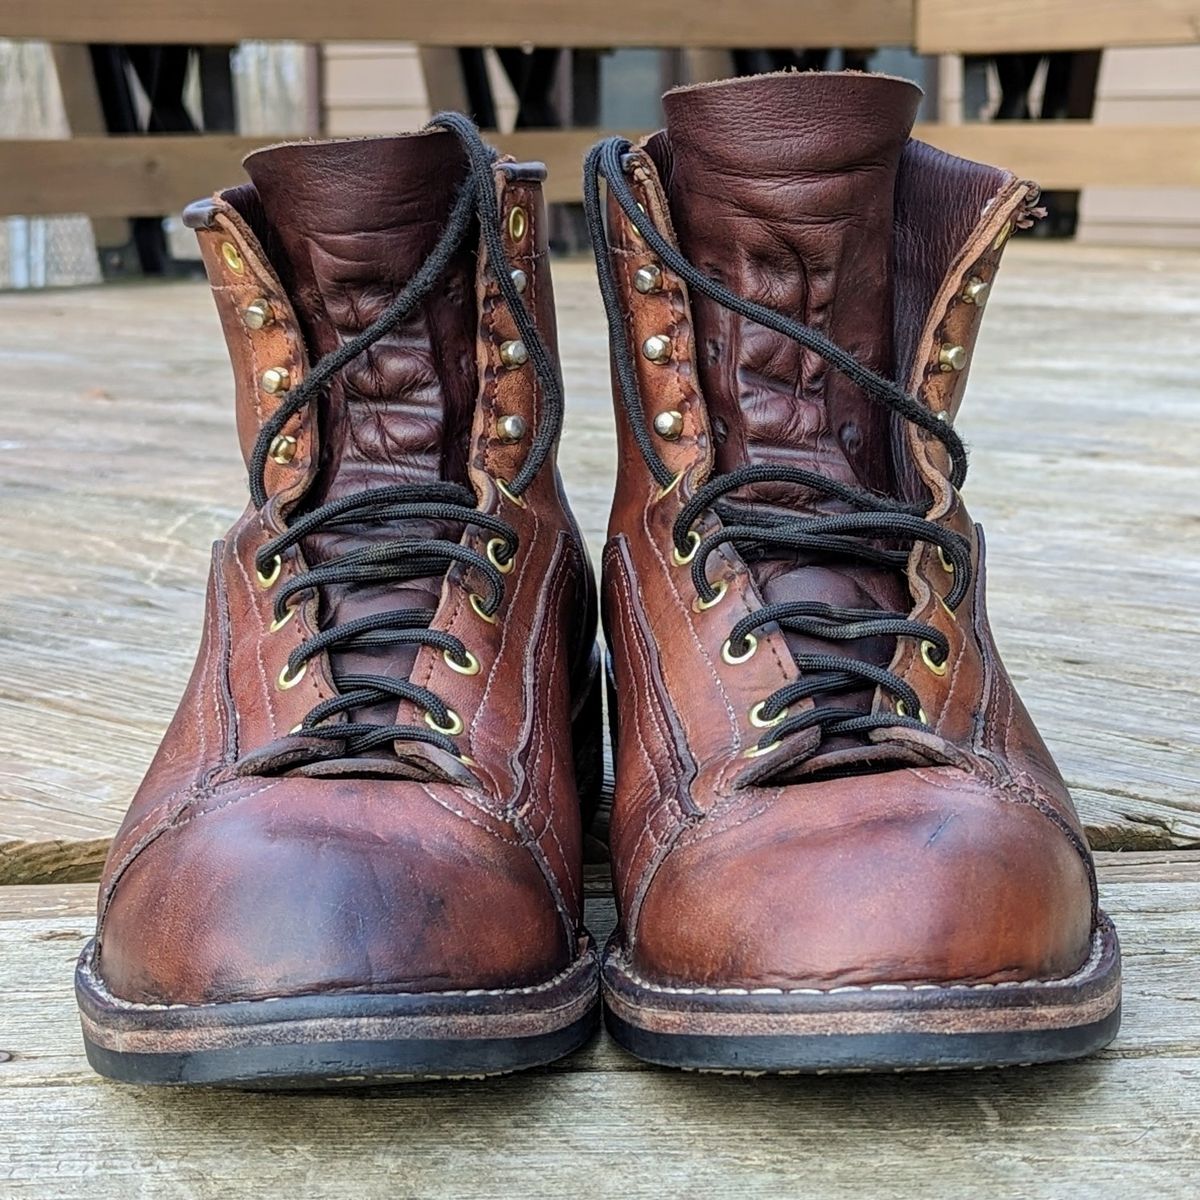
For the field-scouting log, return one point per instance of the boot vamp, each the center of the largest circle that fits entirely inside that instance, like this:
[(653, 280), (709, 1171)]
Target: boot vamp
[(296, 886), (924, 876)]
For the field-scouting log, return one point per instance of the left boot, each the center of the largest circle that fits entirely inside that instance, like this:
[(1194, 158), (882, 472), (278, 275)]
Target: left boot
[(357, 853), (838, 841)]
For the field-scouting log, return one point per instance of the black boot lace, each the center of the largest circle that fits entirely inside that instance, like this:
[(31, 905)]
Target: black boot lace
[(411, 557), (880, 530)]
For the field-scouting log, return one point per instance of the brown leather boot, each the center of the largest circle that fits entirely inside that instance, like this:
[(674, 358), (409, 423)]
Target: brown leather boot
[(357, 853), (838, 841)]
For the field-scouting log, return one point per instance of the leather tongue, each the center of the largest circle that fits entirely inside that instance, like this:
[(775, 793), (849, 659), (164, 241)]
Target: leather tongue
[(350, 223), (782, 188)]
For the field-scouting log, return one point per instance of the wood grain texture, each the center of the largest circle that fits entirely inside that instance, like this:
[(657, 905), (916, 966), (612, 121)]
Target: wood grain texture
[(148, 176), (1125, 1123), (467, 22), (952, 27), (118, 467)]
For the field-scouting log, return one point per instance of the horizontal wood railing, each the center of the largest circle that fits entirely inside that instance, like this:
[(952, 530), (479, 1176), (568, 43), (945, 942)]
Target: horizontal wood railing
[(146, 176), (993, 26), (704, 23)]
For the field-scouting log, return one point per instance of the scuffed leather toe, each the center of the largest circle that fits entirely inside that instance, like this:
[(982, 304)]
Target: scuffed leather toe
[(305, 886), (917, 876)]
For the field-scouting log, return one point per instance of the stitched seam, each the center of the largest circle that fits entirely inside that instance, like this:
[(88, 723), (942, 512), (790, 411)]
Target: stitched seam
[(87, 970), (508, 841), (1088, 966)]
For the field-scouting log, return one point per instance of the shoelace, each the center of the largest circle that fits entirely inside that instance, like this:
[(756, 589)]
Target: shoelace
[(850, 535), (406, 558)]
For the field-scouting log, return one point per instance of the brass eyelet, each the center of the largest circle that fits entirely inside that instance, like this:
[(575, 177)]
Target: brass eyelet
[(902, 711), (477, 605), (285, 681), (759, 751), (938, 668), (509, 494), (664, 492), (279, 622), (761, 722), (682, 560), (455, 726), (504, 568), (733, 659), (265, 581), (470, 667), (700, 604), (947, 565), (517, 223), (466, 760)]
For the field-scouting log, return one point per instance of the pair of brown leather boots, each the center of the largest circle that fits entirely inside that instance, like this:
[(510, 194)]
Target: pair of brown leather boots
[(837, 840)]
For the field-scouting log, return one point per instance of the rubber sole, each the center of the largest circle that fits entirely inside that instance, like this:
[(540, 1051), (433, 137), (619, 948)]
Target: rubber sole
[(341, 1039), (880, 1028)]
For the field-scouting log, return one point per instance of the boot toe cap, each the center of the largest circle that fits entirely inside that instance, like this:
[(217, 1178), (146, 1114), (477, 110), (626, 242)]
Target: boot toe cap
[(917, 877), (314, 886)]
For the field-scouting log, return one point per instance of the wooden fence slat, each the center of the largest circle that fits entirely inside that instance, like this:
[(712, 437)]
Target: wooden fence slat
[(779, 23), (952, 27), (145, 176)]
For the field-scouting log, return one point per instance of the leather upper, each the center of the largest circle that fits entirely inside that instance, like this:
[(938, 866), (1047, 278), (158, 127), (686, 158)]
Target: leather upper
[(237, 874), (940, 854)]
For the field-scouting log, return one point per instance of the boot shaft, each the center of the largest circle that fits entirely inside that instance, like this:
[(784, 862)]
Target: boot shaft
[(882, 241), (302, 260)]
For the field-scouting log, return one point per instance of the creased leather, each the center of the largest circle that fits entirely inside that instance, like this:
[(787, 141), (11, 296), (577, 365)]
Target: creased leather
[(352, 222), (782, 188)]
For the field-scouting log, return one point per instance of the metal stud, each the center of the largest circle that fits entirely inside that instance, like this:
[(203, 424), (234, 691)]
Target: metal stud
[(976, 291), (233, 258), (520, 280), (257, 313), (648, 278), (952, 358), (657, 348), (511, 428), (513, 354), (669, 425), (276, 379), (283, 449), (517, 223)]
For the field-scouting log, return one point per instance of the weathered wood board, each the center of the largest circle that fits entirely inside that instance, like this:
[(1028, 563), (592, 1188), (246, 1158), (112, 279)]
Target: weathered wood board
[(1125, 1123), (118, 467)]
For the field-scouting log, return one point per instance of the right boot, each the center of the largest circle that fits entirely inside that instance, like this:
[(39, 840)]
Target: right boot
[(357, 853)]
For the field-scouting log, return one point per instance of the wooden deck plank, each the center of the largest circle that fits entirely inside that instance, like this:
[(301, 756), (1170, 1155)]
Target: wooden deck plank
[(602, 1124), (118, 467)]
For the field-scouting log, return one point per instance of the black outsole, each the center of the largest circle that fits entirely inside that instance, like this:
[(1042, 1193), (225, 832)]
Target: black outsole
[(343, 1063), (338, 1039), (874, 1052)]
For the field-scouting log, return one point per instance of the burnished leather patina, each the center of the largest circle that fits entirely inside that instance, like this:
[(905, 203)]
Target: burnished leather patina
[(837, 838), (357, 852)]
